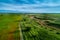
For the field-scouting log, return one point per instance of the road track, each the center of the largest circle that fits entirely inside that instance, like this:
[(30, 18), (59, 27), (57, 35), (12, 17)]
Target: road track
[(21, 35)]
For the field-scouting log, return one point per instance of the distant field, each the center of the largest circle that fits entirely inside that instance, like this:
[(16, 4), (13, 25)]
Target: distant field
[(33, 26)]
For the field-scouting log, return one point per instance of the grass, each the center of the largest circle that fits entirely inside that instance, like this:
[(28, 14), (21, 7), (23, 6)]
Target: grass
[(9, 26), (34, 26), (32, 30)]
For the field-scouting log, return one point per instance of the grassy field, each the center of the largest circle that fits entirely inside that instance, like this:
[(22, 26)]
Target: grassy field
[(33, 26), (9, 29), (41, 27)]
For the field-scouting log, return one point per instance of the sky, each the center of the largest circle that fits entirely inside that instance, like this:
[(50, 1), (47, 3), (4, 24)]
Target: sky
[(30, 6)]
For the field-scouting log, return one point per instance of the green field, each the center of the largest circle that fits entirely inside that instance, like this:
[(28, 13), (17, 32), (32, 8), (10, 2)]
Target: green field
[(9, 29), (33, 26), (41, 27)]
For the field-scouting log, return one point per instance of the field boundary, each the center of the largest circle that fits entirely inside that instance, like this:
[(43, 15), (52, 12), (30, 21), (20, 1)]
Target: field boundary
[(21, 35)]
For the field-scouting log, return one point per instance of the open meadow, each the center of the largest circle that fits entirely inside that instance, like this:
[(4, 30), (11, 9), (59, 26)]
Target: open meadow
[(9, 29), (29, 26)]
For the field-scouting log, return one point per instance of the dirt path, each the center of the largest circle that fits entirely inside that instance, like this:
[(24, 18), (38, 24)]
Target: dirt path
[(21, 35)]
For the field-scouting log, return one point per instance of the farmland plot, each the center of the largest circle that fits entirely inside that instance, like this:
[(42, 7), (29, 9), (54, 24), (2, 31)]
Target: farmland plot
[(32, 26), (35, 27), (9, 29)]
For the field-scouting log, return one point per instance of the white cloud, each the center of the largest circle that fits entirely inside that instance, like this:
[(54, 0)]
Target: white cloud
[(30, 7)]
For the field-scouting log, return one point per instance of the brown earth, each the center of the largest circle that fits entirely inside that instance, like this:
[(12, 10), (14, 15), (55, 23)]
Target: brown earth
[(12, 29)]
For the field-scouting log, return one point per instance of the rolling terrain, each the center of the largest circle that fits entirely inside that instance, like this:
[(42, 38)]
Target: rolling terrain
[(29, 26), (40, 27)]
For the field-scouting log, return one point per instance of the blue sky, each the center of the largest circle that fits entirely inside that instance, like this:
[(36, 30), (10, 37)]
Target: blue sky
[(30, 6)]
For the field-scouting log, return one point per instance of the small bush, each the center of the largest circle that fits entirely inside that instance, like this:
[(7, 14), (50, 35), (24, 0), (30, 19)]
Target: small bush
[(26, 29), (57, 33)]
